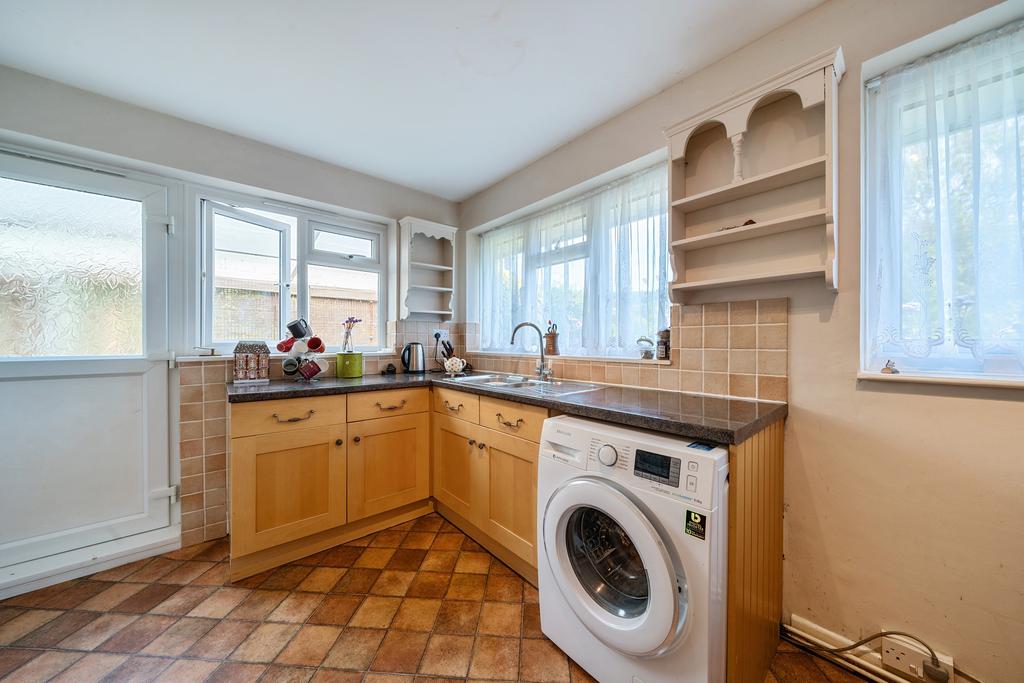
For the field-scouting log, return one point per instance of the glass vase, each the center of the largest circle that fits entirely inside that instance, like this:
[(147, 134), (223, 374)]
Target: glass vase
[(346, 344)]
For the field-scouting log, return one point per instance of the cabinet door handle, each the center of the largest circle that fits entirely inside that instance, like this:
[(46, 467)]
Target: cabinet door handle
[(338, 442), (481, 445), (384, 407), (293, 419), (472, 442), (356, 439), (452, 408), (507, 423)]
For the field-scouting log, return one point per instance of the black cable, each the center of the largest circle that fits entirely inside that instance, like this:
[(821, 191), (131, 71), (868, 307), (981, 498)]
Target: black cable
[(935, 672)]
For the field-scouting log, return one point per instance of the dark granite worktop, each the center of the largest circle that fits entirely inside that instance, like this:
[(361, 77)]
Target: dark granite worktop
[(709, 418)]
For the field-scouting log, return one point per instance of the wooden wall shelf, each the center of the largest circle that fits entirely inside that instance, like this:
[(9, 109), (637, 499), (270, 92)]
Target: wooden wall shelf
[(427, 270), (777, 143)]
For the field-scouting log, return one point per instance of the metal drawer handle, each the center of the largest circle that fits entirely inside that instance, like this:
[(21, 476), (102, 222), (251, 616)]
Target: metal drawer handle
[(356, 439), (452, 408), (472, 442), (293, 419), (506, 423), (481, 445), (384, 407)]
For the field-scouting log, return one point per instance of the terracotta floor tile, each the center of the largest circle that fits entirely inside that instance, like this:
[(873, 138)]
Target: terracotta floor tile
[(253, 581), (391, 582), (75, 595), (502, 569), (834, 673), (375, 612), (140, 669), (286, 577), (458, 617), (400, 652), (137, 635), (184, 600), (408, 559), (216, 552), (153, 571), (467, 587), (342, 556), (265, 643), (418, 540), (309, 646), (42, 668), (389, 538), (354, 649), (236, 672), (531, 621), (495, 658), (335, 676), (179, 637), (356, 580), (578, 675), (97, 632), (90, 668), (221, 640), (38, 597), (186, 573), (258, 605), (8, 613), (25, 623), (335, 610), (147, 598), (504, 588), (417, 614), (321, 579), (541, 662), (448, 542), (111, 597), (311, 560), (217, 575), (430, 522), (378, 677), (375, 558), (296, 608), (11, 658), (118, 573), (530, 594), (188, 552), (277, 673), (501, 619), (429, 585), (56, 630), (797, 667), (187, 671), (471, 546), (473, 563), (447, 655), (220, 603), (440, 561)]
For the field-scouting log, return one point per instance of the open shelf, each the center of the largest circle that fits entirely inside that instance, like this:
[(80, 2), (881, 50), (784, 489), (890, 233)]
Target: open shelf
[(431, 288), (788, 175), (806, 219), (781, 276), (413, 311), (430, 266)]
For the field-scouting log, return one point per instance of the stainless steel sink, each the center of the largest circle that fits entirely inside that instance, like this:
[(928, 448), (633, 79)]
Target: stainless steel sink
[(517, 384)]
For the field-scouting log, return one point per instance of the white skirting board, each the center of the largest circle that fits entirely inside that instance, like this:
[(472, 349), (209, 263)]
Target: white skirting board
[(29, 576)]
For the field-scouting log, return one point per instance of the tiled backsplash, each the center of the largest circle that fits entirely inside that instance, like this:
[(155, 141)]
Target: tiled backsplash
[(738, 348)]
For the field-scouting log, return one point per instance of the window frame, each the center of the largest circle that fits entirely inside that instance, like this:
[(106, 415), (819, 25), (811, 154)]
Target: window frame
[(307, 220)]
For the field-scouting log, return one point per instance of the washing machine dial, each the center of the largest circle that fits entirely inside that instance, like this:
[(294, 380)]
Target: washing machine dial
[(607, 455)]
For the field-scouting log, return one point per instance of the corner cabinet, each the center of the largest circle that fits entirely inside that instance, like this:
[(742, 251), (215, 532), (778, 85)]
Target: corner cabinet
[(753, 184), (427, 270)]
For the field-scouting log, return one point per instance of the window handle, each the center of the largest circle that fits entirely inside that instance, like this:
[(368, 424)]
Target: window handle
[(507, 423), (293, 419), (380, 406)]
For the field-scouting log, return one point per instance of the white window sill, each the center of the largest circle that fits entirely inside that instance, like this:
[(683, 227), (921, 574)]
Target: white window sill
[(907, 378), (277, 356), (594, 359)]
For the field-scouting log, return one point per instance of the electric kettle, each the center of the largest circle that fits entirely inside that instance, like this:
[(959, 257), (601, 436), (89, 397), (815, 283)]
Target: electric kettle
[(413, 358)]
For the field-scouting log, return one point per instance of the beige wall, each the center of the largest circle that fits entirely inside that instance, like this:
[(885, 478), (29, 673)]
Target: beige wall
[(903, 503), (30, 105)]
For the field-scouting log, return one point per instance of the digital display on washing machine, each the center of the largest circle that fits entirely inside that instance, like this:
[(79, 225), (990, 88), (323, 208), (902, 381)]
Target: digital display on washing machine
[(656, 467)]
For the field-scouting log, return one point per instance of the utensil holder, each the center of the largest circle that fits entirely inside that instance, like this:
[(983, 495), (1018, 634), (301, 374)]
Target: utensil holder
[(551, 344)]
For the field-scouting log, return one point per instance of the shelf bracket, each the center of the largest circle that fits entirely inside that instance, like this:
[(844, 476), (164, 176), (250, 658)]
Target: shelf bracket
[(737, 157)]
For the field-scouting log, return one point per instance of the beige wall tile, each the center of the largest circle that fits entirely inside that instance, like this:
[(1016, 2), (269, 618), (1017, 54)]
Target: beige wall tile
[(613, 373), (742, 312), (190, 411), (773, 336), (691, 381), (190, 375), (668, 379), (716, 383), (773, 310), (716, 337), (630, 375), (773, 362), (648, 376), (742, 385), (692, 316), (716, 360), (716, 314), (691, 359), (742, 336), (771, 388), (692, 338), (742, 361)]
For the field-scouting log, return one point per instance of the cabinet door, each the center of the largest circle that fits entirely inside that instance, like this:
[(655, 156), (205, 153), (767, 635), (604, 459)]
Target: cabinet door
[(286, 486), (457, 466), (509, 514), (388, 464)]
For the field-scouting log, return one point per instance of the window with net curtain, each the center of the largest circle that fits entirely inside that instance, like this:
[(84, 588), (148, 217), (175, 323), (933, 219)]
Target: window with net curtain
[(943, 263), (597, 266)]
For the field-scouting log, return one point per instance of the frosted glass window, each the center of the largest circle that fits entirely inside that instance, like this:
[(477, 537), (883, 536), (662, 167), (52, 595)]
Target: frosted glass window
[(337, 293), (70, 272), (247, 277)]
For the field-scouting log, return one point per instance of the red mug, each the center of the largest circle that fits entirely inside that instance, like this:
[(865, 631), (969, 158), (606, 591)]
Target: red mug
[(316, 344), (285, 345), (309, 369)]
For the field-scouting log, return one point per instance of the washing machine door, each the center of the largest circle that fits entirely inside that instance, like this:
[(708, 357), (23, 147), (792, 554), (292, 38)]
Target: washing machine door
[(613, 568)]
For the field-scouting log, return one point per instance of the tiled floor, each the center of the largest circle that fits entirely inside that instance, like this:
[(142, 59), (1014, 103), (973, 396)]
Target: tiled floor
[(415, 603)]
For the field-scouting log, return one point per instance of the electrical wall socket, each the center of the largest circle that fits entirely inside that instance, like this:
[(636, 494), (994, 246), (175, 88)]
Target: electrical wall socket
[(907, 657), (442, 332)]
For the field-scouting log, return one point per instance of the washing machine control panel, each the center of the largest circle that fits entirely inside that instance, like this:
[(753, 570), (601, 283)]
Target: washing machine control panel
[(656, 467)]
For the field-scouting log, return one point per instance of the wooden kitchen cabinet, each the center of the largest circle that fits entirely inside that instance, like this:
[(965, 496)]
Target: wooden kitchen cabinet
[(509, 511), (456, 473), (388, 463), (286, 486)]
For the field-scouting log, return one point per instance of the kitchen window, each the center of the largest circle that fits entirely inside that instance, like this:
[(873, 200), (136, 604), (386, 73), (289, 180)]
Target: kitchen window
[(262, 268), (596, 266), (943, 250)]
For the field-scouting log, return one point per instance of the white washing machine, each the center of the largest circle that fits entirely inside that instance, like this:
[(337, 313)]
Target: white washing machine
[(631, 562)]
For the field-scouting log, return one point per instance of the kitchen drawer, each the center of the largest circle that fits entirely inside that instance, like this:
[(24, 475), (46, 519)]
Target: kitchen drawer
[(270, 417), (517, 419), (457, 404), (388, 403)]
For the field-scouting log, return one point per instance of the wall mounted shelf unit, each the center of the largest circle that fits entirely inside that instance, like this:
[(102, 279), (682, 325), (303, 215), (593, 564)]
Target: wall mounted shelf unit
[(427, 270), (767, 155)]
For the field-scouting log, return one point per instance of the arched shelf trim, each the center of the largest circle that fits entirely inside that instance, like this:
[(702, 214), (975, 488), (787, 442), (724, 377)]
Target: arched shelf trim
[(810, 90)]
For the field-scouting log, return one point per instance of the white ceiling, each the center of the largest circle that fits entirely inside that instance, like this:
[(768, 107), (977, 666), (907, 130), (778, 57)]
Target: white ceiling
[(446, 96)]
